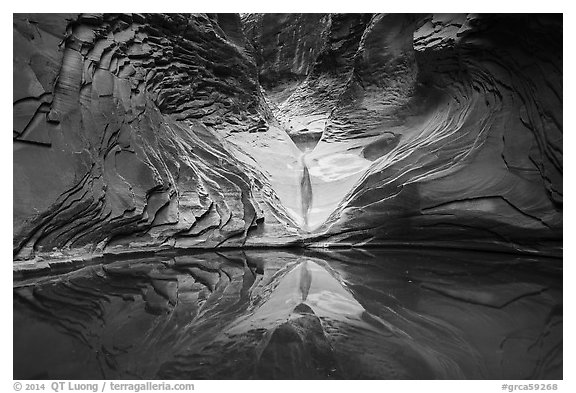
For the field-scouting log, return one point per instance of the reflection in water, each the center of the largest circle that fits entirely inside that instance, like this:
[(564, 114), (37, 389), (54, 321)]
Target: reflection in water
[(279, 314)]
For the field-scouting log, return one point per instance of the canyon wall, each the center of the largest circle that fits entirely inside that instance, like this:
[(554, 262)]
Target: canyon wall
[(147, 131)]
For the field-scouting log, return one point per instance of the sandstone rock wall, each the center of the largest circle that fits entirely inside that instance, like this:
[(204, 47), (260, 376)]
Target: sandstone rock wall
[(440, 128), (115, 133), (174, 130)]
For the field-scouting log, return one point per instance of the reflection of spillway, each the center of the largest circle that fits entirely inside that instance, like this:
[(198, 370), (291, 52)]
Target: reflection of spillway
[(311, 285), (311, 326)]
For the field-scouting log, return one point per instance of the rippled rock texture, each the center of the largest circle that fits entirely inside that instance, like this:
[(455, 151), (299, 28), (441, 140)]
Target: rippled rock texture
[(442, 128), (140, 131), (116, 139), (287, 315)]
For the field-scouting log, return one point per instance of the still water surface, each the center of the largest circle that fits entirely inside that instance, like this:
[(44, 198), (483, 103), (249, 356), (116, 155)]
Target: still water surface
[(280, 314)]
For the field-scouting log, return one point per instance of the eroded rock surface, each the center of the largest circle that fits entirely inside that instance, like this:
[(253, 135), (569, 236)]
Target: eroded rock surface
[(116, 138), (150, 130), (435, 128)]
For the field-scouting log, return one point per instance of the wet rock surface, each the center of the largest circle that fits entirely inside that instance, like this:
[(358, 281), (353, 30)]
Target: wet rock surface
[(368, 314)]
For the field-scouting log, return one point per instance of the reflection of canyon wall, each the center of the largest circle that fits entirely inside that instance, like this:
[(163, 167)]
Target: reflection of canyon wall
[(153, 130), (299, 314)]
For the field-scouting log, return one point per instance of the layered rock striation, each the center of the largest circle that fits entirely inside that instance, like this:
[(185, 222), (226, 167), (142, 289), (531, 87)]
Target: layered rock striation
[(433, 128), (116, 133), (210, 130)]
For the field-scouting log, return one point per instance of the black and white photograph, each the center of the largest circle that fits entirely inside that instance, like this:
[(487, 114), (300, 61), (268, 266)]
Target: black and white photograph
[(287, 196)]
